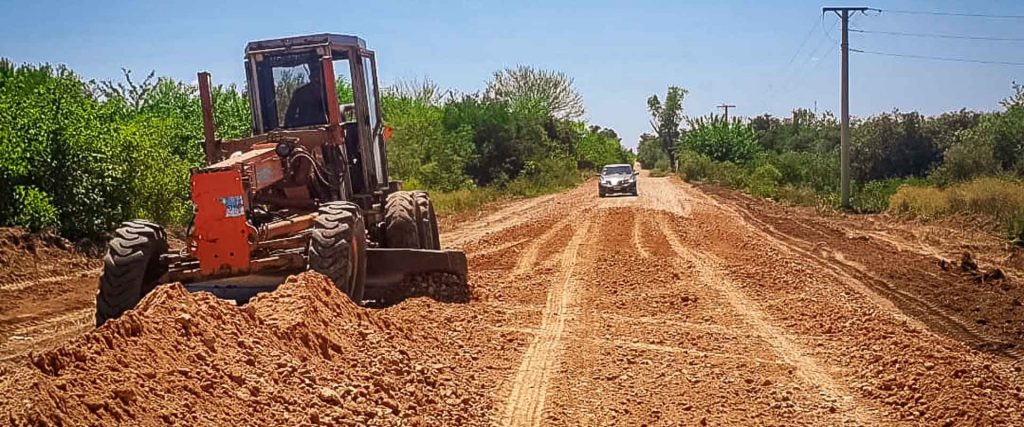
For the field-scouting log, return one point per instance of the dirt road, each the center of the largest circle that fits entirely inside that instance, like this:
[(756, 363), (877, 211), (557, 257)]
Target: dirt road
[(678, 307)]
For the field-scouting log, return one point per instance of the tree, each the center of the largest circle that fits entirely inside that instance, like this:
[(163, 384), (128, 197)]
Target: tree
[(666, 118), (529, 89), (720, 139)]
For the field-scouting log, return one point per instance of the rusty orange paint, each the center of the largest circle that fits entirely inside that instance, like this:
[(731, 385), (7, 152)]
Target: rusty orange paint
[(221, 231)]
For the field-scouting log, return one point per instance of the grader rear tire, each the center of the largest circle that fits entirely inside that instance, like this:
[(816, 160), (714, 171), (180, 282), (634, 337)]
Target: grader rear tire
[(337, 247), (401, 221), (131, 268), (427, 225)]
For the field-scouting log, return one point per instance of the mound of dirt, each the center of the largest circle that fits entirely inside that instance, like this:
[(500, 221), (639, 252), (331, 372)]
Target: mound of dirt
[(31, 256), (302, 355)]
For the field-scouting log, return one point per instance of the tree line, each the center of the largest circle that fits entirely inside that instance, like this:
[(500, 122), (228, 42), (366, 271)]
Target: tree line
[(81, 156), (964, 161)]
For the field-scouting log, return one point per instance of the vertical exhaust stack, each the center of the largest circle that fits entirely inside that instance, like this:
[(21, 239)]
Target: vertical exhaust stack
[(211, 146)]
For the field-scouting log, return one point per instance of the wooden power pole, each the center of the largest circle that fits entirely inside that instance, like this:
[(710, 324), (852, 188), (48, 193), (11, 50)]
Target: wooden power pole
[(844, 133), (726, 107)]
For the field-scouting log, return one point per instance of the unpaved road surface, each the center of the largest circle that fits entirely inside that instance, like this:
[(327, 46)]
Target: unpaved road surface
[(682, 306)]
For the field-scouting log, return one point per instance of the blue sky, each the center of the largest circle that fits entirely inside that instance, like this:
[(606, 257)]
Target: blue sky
[(740, 52)]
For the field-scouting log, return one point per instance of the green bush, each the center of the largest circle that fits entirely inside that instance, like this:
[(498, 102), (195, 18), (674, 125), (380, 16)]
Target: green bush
[(965, 160), (763, 181), (85, 156), (797, 195), (693, 166), (36, 211), (815, 170), (721, 140), (543, 177), (874, 196)]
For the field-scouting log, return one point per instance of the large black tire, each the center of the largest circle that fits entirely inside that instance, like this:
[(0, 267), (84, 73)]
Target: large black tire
[(337, 247), (401, 221), (131, 268), (430, 238)]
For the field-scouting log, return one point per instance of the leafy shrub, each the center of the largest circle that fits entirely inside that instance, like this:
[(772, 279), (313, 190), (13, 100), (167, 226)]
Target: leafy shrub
[(962, 161), (797, 195), (36, 211), (721, 140), (816, 170), (874, 196), (544, 176), (662, 166), (693, 166), (763, 181)]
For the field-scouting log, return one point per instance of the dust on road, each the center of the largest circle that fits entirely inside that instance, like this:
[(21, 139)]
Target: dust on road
[(678, 307)]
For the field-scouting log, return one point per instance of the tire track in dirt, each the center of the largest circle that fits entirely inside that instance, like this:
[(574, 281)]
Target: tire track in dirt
[(880, 290), (525, 404), (707, 269), (637, 239), (528, 259), (18, 285), (42, 334)]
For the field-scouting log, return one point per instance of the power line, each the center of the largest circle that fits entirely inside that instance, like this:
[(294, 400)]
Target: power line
[(969, 15), (938, 58), (794, 69), (802, 43), (941, 36)]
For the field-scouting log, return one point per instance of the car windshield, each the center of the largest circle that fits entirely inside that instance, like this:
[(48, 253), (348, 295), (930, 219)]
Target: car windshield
[(617, 170)]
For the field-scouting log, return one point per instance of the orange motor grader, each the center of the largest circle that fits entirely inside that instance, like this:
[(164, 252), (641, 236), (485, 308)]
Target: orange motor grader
[(308, 191)]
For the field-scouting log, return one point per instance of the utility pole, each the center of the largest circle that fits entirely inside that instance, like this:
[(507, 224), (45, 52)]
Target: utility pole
[(726, 107), (844, 133)]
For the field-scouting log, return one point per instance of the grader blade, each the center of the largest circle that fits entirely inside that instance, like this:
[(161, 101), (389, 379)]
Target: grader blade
[(388, 268)]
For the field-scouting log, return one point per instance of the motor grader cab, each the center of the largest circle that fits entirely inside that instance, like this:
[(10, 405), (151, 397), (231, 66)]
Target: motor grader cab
[(309, 190)]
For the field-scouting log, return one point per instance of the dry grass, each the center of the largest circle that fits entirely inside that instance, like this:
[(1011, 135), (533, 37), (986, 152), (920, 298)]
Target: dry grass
[(996, 198), (463, 200)]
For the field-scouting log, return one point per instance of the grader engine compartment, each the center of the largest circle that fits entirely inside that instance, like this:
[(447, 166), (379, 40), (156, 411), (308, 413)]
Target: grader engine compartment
[(220, 236)]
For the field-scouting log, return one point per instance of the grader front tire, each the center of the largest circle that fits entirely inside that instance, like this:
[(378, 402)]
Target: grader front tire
[(337, 247), (131, 268)]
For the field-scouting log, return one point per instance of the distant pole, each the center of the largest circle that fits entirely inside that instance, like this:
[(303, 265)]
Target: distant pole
[(726, 107), (844, 134)]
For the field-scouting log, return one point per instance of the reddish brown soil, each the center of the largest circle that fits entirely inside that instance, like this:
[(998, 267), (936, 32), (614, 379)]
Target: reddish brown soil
[(683, 306)]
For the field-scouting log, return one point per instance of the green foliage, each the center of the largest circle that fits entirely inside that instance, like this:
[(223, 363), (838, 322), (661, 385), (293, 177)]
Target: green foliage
[(693, 166), (533, 91), (83, 157), (650, 153), (544, 176), (874, 196), (35, 210), (721, 140), (598, 147), (666, 118), (763, 181), (818, 171), (421, 149), (892, 145), (56, 141), (803, 131), (962, 161)]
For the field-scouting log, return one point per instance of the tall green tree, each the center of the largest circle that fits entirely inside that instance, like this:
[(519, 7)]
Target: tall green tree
[(666, 119)]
